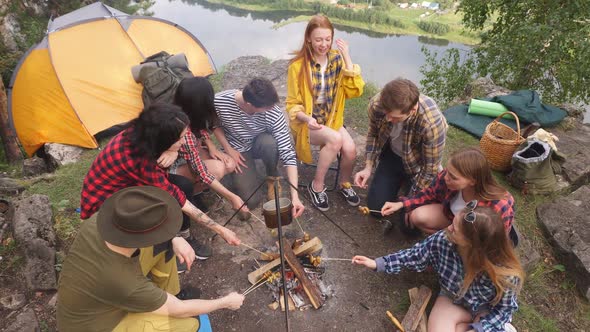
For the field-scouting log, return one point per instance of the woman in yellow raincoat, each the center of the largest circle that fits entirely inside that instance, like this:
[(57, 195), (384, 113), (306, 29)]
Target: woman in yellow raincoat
[(319, 81)]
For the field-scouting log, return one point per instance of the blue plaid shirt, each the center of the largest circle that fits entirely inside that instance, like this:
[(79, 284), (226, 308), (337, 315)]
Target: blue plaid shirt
[(437, 251)]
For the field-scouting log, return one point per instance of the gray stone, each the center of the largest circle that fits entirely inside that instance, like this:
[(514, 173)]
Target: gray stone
[(575, 144), (14, 301), (10, 32), (33, 231), (241, 70), (34, 166), (565, 222), (484, 87), (61, 154), (10, 187), (36, 7), (575, 111), (26, 321)]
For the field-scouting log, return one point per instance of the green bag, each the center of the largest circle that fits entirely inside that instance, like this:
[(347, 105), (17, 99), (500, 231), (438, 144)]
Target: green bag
[(534, 165), (161, 79)]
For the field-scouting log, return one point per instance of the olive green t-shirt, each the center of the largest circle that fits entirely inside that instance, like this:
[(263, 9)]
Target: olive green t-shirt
[(98, 287)]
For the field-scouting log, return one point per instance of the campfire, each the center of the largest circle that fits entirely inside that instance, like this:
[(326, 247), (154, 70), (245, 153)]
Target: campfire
[(303, 274)]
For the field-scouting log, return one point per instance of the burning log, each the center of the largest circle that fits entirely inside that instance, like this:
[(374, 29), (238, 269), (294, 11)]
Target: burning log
[(310, 289), (308, 247)]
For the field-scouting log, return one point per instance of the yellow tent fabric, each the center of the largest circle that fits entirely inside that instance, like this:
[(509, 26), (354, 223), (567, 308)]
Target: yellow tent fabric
[(78, 82)]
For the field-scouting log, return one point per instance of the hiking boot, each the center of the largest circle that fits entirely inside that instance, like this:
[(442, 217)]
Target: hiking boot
[(349, 194), (318, 199), (189, 293), (202, 251), (197, 201)]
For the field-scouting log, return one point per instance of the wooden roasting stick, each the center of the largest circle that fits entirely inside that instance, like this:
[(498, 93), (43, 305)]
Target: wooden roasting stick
[(310, 289), (422, 327), (416, 310), (308, 247), (395, 321)]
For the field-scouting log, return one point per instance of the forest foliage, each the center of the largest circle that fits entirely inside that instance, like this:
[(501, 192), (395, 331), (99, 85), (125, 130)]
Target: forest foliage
[(540, 45)]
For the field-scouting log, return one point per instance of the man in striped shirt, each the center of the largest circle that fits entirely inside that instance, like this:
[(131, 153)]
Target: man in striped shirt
[(254, 127), (407, 134)]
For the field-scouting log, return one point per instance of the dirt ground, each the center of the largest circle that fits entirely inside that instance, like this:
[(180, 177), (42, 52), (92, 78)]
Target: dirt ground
[(360, 297)]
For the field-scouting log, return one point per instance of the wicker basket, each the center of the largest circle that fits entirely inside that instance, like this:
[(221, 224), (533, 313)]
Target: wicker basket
[(499, 142)]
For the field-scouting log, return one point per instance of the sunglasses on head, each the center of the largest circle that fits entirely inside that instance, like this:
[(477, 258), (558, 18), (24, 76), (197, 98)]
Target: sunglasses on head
[(470, 216)]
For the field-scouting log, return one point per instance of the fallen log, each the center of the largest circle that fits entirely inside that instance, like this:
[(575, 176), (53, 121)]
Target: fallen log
[(416, 310), (422, 324)]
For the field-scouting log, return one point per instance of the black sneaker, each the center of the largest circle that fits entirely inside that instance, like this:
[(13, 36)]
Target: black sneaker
[(202, 251), (181, 267), (319, 200), (189, 293), (349, 194)]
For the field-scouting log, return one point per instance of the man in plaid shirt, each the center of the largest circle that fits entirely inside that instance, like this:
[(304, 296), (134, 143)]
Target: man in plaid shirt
[(407, 135)]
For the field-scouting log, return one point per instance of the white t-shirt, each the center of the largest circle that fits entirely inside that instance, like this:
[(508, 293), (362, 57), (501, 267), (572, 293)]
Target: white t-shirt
[(458, 203), (322, 95)]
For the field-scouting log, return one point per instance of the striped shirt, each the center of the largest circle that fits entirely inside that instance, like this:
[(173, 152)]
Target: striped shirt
[(424, 134), (440, 253), (241, 129)]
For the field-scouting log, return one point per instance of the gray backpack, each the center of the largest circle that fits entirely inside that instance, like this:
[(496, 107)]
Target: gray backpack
[(160, 75)]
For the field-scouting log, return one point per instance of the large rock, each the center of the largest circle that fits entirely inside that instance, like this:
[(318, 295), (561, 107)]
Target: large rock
[(240, 71), (484, 87), (10, 187), (33, 231), (35, 7), (565, 222), (10, 32), (575, 144), (61, 154), (34, 166), (26, 321)]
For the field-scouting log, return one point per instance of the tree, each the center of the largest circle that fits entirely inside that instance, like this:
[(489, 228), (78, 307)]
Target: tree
[(531, 44)]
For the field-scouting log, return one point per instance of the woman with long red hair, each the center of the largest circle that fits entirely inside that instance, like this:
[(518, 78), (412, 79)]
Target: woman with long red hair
[(319, 81)]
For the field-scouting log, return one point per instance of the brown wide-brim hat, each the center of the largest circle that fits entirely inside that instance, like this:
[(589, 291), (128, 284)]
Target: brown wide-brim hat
[(138, 217)]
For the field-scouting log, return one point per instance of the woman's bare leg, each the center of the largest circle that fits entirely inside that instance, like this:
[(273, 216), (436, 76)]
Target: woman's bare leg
[(347, 155), (447, 316), (331, 143), (429, 218)]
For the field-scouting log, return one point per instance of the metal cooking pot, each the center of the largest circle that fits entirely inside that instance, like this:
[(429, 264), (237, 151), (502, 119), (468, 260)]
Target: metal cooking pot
[(270, 214)]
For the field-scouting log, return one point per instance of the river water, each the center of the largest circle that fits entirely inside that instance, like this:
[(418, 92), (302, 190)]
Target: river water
[(228, 33)]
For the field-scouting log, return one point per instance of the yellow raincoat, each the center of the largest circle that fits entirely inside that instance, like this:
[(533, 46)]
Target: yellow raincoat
[(300, 99)]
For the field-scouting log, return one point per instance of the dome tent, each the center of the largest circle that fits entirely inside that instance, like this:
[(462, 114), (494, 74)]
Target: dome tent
[(77, 81)]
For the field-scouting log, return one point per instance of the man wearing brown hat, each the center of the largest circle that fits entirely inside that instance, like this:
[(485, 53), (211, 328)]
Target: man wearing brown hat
[(102, 286)]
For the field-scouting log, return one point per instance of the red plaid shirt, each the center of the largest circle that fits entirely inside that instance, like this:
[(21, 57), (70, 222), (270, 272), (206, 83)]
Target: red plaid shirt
[(190, 152), (116, 167), (438, 192)]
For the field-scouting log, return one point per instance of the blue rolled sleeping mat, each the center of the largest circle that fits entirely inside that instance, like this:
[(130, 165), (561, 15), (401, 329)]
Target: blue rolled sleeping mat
[(525, 103)]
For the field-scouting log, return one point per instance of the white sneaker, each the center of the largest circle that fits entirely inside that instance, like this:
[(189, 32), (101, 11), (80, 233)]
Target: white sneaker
[(509, 328)]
